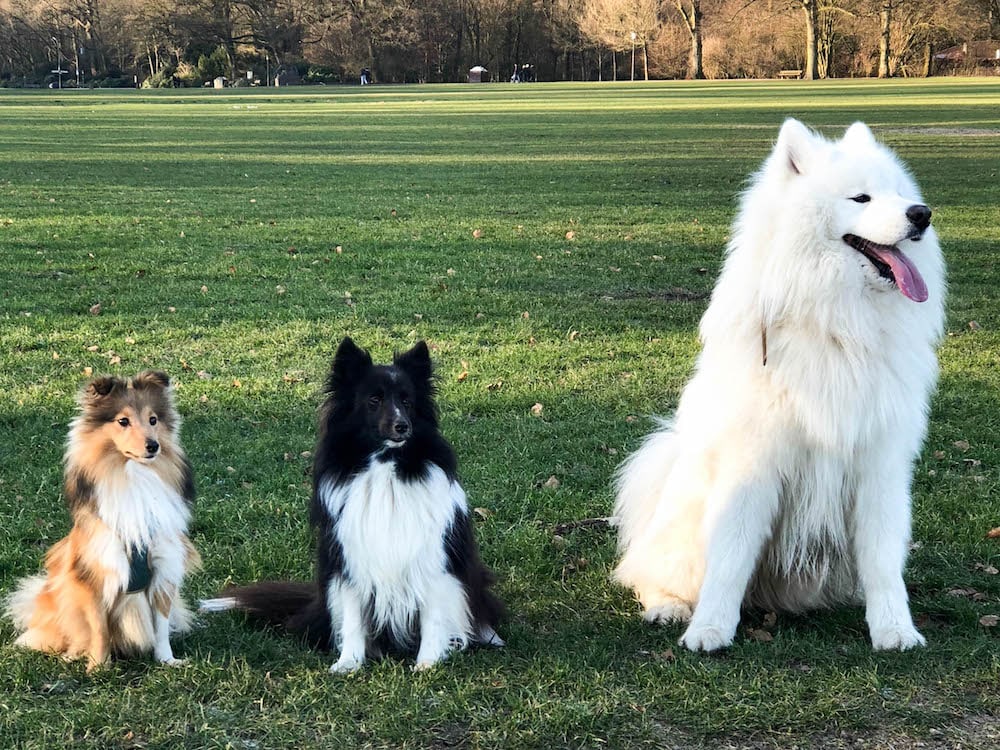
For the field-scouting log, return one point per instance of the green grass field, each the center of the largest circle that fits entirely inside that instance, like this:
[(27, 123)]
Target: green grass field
[(555, 245)]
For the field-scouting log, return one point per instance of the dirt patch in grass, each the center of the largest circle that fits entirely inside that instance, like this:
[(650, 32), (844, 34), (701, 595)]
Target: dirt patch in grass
[(673, 294), (963, 132)]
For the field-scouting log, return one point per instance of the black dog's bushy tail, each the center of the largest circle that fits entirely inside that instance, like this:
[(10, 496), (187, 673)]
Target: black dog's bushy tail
[(296, 607)]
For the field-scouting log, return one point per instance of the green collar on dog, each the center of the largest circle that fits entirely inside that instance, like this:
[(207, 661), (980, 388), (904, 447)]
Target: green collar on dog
[(139, 572)]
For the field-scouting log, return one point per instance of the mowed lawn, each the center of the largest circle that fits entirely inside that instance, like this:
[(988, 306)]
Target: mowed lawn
[(555, 245)]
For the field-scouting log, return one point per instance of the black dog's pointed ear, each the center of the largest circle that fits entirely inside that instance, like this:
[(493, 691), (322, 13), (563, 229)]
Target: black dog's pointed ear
[(415, 362), (349, 361)]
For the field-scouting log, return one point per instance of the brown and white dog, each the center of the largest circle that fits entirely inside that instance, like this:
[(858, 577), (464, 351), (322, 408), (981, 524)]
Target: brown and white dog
[(112, 585)]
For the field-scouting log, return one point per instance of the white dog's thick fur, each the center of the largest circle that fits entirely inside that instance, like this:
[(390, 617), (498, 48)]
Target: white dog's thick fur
[(783, 479)]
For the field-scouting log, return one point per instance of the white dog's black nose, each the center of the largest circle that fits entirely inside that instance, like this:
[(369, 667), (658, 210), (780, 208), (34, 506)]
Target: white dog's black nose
[(919, 215), (152, 446)]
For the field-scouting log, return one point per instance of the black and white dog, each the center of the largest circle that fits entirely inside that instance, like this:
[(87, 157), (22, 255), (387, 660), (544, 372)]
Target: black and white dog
[(398, 568)]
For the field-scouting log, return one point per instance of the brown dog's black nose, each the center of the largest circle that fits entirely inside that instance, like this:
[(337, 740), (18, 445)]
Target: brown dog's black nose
[(920, 215), (152, 446)]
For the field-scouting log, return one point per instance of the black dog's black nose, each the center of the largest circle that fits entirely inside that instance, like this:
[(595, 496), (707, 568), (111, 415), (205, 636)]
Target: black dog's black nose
[(401, 429), (920, 215), (152, 446)]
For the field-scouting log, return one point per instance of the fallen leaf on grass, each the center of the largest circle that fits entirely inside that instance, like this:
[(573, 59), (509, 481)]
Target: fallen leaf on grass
[(973, 325), (989, 621), (552, 483), (993, 533), (483, 513), (536, 410), (477, 233), (761, 636), (462, 376), (571, 235), (95, 309), (495, 386), (989, 570), (88, 371), (962, 445)]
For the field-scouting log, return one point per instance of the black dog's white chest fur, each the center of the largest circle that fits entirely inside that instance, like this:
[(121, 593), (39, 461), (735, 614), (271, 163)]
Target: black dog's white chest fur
[(393, 539)]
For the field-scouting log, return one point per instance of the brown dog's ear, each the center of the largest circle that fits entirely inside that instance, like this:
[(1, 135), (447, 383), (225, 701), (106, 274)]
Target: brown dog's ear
[(151, 378), (101, 387)]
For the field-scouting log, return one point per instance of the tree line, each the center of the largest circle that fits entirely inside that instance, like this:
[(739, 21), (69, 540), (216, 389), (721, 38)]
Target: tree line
[(189, 42)]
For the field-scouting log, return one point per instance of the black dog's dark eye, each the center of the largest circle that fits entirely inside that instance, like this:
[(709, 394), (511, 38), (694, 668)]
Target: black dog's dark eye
[(861, 198), (124, 422), (405, 400), (152, 420), (374, 401)]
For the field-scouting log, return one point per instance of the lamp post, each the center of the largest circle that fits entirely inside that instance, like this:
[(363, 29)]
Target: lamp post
[(59, 69), (632, 35)]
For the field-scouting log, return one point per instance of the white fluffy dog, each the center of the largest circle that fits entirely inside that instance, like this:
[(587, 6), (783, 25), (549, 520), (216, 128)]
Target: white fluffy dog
[(783, 479)]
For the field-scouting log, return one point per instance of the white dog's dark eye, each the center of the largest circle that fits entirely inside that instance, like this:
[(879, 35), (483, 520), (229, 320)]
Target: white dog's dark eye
[(124, 422), (861, 198), (152, 420)]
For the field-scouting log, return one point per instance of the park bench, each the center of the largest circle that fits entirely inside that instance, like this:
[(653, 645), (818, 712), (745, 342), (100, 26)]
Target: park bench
[(789, 74)]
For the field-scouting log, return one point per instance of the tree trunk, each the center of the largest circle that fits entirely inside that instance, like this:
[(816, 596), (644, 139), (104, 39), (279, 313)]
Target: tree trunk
[(645, 61), (928, 59), (885, 19), (695, 57), (811, 73)]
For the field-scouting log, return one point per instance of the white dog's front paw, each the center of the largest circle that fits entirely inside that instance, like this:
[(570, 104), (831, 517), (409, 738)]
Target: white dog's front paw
[(896, 638), (174, 662), (706, 638), (671, 610), (346, 665)]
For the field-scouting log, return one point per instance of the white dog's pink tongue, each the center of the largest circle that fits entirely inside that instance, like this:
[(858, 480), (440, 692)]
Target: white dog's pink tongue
[(908, 278)]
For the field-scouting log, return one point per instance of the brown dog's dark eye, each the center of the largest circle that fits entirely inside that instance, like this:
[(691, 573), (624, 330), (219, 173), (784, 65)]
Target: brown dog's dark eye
[(152, 420), (124, 422)]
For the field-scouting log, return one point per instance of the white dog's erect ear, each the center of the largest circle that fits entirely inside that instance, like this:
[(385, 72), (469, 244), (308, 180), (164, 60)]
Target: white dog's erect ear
[(858, 134), (795, 145)]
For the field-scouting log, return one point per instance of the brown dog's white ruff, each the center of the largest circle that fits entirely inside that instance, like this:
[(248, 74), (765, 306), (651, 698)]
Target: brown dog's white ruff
[(112, 585)]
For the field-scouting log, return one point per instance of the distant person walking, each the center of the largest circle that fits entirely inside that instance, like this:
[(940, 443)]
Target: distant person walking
[(366, 76)]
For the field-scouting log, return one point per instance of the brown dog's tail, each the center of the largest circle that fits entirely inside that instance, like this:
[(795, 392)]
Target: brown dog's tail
[(295, 606)]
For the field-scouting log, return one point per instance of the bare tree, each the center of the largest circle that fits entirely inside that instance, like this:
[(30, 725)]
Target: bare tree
[(621, 25), (690, 11)]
